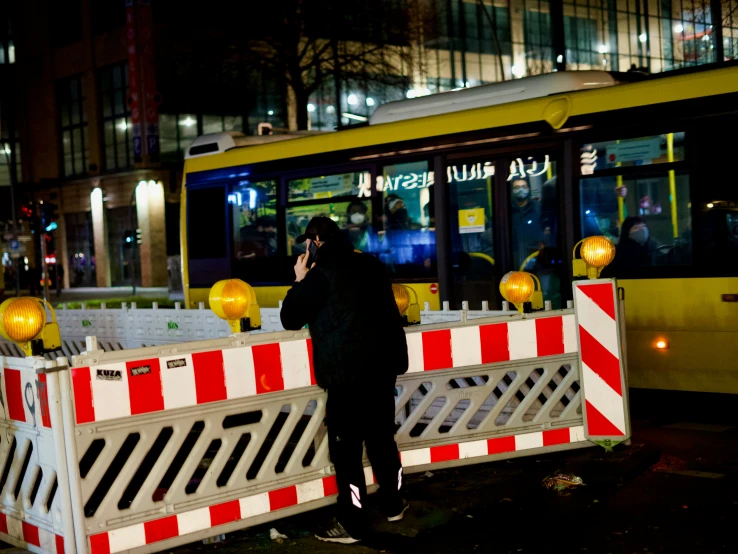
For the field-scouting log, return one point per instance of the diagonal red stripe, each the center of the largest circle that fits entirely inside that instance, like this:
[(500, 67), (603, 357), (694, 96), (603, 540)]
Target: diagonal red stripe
[(600, 360), (598, 425), (59, 544), (550, 335), (3, 524), (601, 294)]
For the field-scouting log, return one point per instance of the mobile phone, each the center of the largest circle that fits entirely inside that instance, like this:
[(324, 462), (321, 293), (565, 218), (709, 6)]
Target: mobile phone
[(312, 253)]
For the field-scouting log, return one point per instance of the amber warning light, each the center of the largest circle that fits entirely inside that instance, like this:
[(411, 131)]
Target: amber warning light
[(662, 344)]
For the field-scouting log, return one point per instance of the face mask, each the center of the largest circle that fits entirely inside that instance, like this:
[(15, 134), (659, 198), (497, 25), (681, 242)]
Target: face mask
[(639, 235), (357, 218), (521, 193)]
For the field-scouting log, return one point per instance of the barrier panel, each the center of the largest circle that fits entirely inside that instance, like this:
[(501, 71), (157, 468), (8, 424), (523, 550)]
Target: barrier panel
[(35, 508), (173, 443)]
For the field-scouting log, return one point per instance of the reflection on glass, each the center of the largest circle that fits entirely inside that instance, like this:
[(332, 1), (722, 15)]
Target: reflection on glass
[(535, 223), (473, 255), (407, 242), (255, 216), (631, 152), (329, 186), (647, 218), (353, 217)]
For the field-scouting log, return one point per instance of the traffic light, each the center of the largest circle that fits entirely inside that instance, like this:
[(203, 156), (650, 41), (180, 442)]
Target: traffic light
[(139, 239), (128, 238), (49, 215)]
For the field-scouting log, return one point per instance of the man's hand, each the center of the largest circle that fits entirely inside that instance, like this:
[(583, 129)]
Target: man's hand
[(301, 268)]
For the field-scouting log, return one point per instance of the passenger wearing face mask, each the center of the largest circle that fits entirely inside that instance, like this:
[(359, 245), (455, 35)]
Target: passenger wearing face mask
[(635, 248), (525, 216), (357, 225)]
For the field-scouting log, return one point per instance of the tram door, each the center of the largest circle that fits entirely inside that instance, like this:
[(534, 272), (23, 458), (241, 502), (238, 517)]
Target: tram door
[(504, 215)]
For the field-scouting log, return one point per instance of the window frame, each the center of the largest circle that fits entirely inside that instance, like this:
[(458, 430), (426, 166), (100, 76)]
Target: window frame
[(691, 128), (113, 117), (82, 126)]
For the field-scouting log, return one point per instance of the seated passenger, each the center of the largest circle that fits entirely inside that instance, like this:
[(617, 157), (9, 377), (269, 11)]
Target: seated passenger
[(635, 248)]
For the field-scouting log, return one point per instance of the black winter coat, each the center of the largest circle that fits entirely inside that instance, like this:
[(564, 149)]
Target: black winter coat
[(347, 302)]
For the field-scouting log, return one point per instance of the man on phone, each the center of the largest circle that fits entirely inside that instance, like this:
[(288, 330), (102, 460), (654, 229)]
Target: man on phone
[(359, 349)]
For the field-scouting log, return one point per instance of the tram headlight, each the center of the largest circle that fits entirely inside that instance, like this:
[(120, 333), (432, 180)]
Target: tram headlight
[(596, 253), (409, 310), (235, 301), (519, 287), (24, 321)]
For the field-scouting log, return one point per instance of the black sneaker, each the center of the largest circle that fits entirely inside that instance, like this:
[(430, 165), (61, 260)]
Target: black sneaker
[(335, 533), (401, 515)]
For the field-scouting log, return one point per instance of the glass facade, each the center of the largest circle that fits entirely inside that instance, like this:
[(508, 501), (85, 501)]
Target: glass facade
[(116, 117), (73, 124), (464, 43)]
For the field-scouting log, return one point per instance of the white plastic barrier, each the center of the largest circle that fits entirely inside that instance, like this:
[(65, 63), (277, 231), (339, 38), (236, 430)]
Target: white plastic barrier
[(170, 444), (35, 506)]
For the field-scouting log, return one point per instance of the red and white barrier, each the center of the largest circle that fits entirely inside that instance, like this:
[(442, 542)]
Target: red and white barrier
[(603, 375), (196, 392)]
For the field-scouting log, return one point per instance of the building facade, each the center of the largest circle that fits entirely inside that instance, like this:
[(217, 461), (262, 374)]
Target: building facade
[(101, 98)]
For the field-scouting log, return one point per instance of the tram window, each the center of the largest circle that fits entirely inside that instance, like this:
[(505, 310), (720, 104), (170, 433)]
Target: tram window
[(356, 183), (206, 223), (254, 207), (354, 218), (534, 220), (648, 218), (471, 185), (407, 241), (632, 152)]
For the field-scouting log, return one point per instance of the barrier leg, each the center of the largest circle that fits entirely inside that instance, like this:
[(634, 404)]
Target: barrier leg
[(57, 426), (75, 485)]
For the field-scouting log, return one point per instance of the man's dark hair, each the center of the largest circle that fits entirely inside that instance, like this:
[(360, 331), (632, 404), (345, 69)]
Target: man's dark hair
[(324, 227)]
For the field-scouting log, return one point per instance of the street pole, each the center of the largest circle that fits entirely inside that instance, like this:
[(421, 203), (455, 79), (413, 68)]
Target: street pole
[(135, 243), (44, 267)]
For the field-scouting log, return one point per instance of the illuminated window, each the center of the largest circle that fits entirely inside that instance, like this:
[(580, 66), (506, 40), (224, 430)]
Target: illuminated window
[(254, 207), (471, 185), (73, 123), (407, 242), (647, 214), (330, 186)]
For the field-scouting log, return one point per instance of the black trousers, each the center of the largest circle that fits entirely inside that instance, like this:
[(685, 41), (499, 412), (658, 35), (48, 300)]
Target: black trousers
[(358, 414)]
